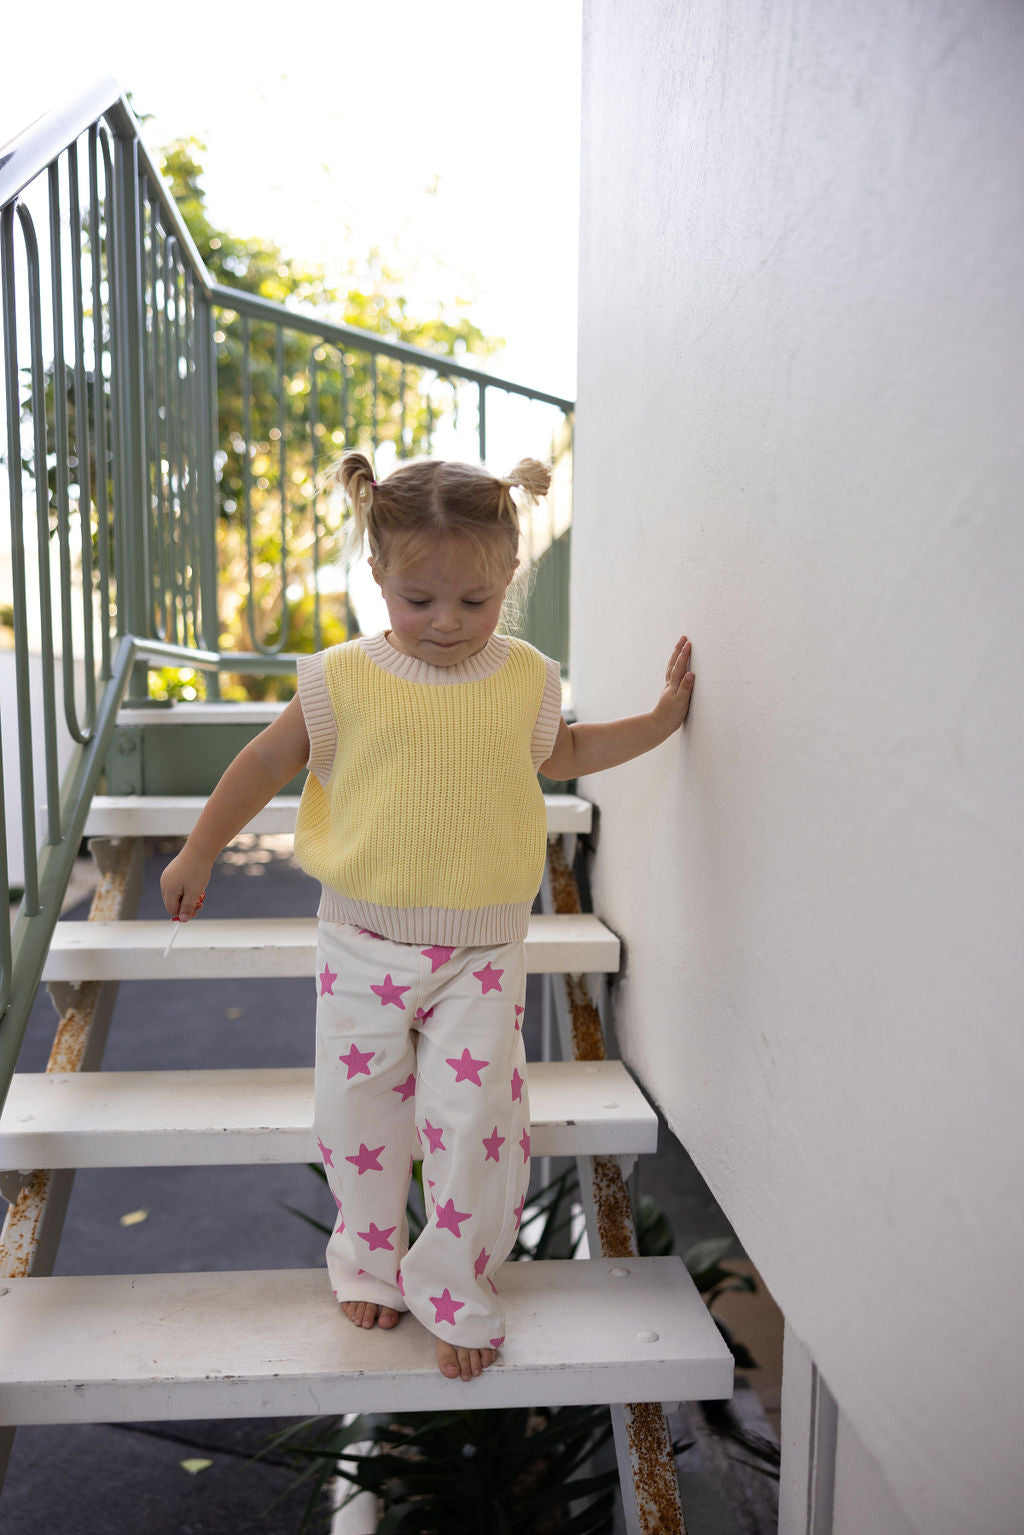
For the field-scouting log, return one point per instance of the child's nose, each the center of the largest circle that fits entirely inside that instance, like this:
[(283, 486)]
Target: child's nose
[(447, 619)]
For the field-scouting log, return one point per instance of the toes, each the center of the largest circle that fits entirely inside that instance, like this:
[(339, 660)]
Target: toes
[(364, 1313), (447, 1360)]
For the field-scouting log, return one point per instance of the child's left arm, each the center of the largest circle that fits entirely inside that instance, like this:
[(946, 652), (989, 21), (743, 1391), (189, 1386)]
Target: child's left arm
[(581, 749)]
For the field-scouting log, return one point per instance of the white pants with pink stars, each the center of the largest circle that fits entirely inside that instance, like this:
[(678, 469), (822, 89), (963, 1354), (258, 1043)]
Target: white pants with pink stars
[(422, 1050)]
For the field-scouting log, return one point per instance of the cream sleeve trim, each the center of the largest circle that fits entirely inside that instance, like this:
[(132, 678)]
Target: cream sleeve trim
[(548, 716), (318, 716)]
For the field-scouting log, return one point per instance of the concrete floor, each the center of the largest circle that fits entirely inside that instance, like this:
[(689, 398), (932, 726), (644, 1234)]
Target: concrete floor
[(84, 1480)]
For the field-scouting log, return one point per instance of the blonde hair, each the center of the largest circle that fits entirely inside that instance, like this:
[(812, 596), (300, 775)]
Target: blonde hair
[(427, 499)]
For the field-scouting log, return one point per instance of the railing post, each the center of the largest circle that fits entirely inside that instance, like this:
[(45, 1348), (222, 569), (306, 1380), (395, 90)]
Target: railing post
[(206, 400), (130, 478)]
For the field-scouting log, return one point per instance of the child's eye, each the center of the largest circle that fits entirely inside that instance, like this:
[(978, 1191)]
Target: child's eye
[(474, 602), (416, 602)]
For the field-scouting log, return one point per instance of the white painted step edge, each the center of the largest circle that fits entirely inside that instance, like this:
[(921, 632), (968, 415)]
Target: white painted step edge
[(264, 1116), (209, 947), (151, 1347), (174, 815)]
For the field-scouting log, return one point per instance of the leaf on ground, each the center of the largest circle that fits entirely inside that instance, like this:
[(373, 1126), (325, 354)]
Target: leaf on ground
[(134, 1217), (193, 1467)]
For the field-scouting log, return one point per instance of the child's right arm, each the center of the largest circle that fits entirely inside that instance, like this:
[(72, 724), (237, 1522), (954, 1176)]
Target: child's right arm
[(262, 768)]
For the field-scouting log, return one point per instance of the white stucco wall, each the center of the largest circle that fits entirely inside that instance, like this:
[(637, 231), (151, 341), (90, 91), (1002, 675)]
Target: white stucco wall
[(799, 441)]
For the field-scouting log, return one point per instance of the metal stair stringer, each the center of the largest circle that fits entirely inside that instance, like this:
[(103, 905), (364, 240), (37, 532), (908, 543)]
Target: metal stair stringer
[(648, 1481)]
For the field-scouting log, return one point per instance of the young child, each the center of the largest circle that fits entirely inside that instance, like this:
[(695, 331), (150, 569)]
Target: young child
[(423, 819)]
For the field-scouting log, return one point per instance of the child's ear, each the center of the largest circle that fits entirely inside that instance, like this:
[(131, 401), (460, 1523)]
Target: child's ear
[(374, 572)]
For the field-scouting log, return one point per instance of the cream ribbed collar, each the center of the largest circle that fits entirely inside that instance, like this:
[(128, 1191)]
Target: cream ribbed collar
[(487, 661)]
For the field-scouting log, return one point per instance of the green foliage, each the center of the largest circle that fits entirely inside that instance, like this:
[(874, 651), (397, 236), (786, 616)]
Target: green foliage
[(287, 407), (704, 1263), (506, 1471)]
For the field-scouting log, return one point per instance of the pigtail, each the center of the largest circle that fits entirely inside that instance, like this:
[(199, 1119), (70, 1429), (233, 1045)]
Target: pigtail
[(354, 473), (532, 478)]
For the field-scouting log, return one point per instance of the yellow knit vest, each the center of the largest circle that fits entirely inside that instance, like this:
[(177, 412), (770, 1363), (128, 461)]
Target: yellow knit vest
[(432, 826)]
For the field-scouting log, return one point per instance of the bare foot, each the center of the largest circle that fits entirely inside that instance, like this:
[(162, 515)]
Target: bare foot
[(364, 1313), (464, 1362)]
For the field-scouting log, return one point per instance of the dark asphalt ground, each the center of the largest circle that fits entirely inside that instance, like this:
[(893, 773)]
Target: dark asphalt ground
[(128, 1479)]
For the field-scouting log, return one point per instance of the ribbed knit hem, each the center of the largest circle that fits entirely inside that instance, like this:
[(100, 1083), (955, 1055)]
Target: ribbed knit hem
[(317, 716), (474, 669), (549, 716), (429, 924)]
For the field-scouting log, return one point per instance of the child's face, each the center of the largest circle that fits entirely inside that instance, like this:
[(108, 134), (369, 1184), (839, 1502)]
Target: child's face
[(444, 605)]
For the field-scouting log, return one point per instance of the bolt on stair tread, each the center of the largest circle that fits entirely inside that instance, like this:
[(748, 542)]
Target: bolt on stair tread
[(272, 1343), (265, 1115), (250, 947)]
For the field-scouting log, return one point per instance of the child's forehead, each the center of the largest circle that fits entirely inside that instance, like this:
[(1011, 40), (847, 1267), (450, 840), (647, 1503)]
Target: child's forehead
[(445, 562)]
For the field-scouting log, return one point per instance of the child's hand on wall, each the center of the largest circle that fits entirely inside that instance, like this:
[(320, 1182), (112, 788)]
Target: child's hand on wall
[(671, 709)]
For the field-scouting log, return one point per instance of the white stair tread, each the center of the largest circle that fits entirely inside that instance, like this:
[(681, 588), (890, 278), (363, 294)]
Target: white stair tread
[(163, 1346), (189, 1118), (173, 815), (209, 947)]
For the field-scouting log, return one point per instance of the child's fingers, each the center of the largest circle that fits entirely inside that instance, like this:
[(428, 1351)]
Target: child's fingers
[(190, 906), (679, 664), (681, 644)]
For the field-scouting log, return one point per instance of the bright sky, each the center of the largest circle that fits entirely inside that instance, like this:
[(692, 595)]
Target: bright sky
[(444, 133)]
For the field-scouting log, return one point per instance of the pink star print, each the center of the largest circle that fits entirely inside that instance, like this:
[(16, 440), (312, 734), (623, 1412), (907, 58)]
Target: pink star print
[(406, 1088), (497, 1342), (467, 1069), (524, 1141), (451, 1219), (389, 992), (356, 1061), (400, 1282), (424, 1017), (434, 1134), (438, 954), (520, 1207), (483, 1258), (519, 1013), (517, 1086), (489, 978), (337, 1201), (368, 1161), (445, 1306), (376, 1238), (341, 1228), (370, 934), (326, 1153), (494, 1143), (327, 979)]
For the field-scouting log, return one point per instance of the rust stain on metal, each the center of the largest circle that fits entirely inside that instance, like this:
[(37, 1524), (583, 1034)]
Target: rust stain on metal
[(654, 1470), (72, 1036), (584, 1020), (565, 897), (650, 1444), (613, 1209), (119, 860), (21, 1228)]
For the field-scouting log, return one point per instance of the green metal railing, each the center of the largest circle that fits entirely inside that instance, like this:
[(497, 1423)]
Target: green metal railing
[(123, 497)]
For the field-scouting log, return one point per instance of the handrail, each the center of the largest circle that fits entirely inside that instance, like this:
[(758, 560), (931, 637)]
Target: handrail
[(26, 155), (311, 323)]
